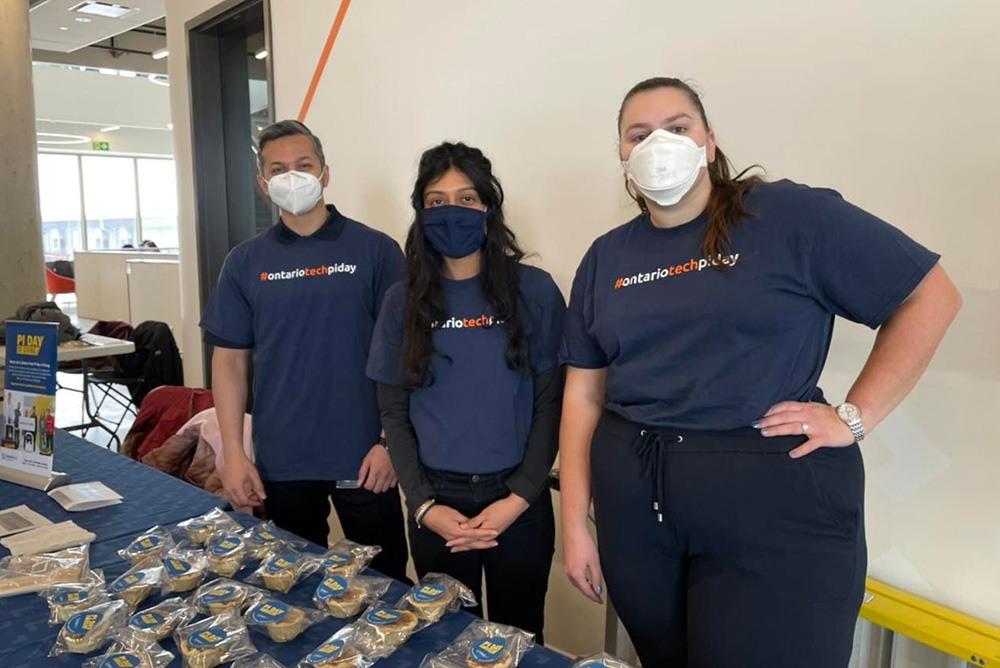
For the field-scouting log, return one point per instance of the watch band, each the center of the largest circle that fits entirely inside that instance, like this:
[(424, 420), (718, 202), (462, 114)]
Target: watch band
[(858, 429)]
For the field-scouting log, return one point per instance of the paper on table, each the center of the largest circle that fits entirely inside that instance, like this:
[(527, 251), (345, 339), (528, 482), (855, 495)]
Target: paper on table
[(48, 538), (85, 496), (20, 518)]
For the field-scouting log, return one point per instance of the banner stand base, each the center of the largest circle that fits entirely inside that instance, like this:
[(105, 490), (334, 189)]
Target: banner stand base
[(34, 481)]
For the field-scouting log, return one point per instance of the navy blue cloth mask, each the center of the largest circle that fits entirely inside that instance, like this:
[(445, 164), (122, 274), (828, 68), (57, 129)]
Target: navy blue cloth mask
[(454, 231)]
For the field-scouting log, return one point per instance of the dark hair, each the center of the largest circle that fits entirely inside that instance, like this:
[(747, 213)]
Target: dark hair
[(425, 301), (726, 207), (287, 129)]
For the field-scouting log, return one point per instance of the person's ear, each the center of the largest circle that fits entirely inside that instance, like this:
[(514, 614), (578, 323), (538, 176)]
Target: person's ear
[(325, 180), (710, 147), (262, 184)]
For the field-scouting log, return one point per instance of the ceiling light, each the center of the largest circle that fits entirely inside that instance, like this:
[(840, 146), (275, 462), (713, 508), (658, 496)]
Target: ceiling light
[(104, 9), (170, 126), (63, 28), (159, 81), (82, 19), (260, 54), (111, 128), (56, 138), (107, 70), (160, 53), (128, 74)]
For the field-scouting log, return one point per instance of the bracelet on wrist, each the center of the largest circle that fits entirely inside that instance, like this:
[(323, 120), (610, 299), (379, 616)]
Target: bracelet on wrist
[(422, 511)]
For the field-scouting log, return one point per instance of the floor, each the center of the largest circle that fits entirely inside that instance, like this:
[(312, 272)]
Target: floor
[(69, 398)]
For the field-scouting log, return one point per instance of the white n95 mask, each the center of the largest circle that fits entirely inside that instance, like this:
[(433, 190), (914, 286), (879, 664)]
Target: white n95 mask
[(665, 165), (295, 192)]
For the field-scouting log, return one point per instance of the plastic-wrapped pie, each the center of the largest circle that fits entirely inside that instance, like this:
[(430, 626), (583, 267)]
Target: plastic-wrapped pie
[(346, 558), (34, 572), (131, 651), (200, 529), (225, 553), (265, 539), (337, 651), (155, 542), (436, 594), (90, 629), (159, 621), (281, 571), (602, 660), (213, 641), (282, 622), (486, 645), (138, 582), (381, 629), (342, 597), (222, 594), (68, 598), (185, 569)]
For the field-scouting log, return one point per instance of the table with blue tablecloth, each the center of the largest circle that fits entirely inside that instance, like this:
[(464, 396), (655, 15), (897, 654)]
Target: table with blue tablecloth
[(150, 498)]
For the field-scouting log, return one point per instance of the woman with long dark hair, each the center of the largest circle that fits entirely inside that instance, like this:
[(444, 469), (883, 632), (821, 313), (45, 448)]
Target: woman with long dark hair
[(728, 492), (466, 356)]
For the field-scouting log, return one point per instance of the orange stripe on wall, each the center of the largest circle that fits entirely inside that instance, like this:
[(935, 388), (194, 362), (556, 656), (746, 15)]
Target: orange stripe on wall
[(323, 57)]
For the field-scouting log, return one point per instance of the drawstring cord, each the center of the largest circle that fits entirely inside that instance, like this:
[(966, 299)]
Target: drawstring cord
[(649, 449)]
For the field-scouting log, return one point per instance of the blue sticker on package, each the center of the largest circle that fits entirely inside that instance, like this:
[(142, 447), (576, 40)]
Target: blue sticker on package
[(144, 545), (331, 588), (489, 650), (282, 563), (176, 567), (208, 638), (263, 537), (269, 613), (227, 547), (428, 593), (382, 616), (146, 620), (127, 581), (62, 598), (337, 559), (219, 594), (326, 652), (83, 622), (594, 664), (121, 660)]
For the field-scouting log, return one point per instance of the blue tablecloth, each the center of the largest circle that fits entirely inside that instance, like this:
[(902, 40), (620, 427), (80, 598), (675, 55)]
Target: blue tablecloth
[(154, 498)]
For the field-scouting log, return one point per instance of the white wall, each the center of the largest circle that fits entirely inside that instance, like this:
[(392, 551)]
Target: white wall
[(892, 103), (180, 12)]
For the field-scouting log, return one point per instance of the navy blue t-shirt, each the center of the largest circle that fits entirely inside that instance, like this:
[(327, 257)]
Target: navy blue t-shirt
[(307, 307), (690, 347), (475, 414)]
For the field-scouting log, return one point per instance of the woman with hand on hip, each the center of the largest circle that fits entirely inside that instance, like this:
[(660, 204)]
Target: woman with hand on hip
[(728, 492), (465, 353)]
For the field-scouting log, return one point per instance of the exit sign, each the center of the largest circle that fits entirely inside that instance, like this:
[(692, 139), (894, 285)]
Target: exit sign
[(102, 146)]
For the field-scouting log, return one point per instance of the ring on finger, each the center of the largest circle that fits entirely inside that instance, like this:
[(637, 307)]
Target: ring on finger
[(805, 427)]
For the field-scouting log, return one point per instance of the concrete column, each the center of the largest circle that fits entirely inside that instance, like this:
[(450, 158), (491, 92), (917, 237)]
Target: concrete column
[(22, 274)]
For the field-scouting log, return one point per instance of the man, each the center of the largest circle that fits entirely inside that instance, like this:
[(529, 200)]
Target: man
[(302, 299)]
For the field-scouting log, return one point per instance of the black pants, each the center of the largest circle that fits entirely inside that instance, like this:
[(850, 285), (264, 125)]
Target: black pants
[(303, 507), (759, 561), (517, 570)]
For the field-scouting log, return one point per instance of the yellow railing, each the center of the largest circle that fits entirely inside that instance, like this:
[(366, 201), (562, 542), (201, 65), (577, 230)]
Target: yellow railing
[(932, 624)]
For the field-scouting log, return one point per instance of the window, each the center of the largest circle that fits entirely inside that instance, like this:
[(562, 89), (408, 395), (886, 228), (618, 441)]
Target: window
[(109, 201), (59, 197), (124, 201), (158, 201)]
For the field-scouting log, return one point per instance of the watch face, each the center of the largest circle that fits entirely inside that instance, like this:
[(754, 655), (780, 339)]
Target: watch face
[(848, 413)]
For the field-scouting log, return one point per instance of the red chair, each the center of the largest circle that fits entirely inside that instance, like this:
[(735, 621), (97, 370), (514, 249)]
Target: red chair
[(58, 285)]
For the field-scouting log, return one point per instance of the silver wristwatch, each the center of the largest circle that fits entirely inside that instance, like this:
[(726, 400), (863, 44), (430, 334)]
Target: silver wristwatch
[(850, 415)]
